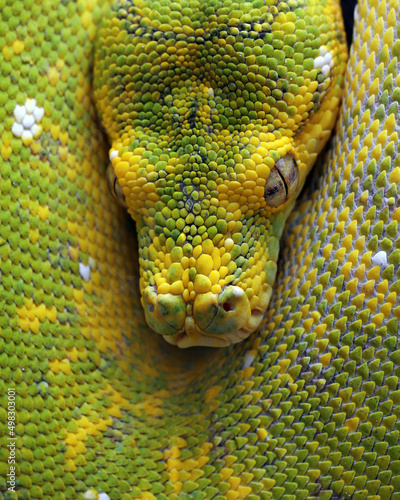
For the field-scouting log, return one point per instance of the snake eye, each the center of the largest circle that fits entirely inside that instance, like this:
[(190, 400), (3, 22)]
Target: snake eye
[(282, 181), (115, 188)]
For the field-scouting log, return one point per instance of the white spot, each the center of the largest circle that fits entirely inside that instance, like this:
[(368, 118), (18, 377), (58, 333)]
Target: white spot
[(210, 92), (91, 495), (238, 292), (26, 135), (30, 105), (17, 129), (380, 259), (19, 113), (319, 62), (38, 113), (324, 60), (113, 154), (248, 360), (28, 121), (36, 130), (323, 50), (84, 271), (325, 69), (27, 118), (104, 496), (229, 243)]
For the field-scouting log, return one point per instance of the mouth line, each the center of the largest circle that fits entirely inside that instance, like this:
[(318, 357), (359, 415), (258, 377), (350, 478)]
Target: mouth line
[(224, 340)]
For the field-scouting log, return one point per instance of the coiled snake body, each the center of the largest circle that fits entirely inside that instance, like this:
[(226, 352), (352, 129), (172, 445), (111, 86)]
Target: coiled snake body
[(306, 407)]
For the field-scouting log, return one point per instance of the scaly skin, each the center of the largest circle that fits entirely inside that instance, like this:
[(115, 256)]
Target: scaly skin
[(307, 408), (202, 102)]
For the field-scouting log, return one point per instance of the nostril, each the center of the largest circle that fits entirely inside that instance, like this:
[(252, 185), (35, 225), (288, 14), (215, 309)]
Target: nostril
[(228, 306), (150, 307)]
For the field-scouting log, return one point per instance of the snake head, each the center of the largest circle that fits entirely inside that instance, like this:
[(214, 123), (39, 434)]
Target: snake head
[(215, 117)]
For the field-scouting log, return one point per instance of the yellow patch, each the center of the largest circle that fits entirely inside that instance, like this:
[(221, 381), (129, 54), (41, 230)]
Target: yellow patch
[(30, 316)]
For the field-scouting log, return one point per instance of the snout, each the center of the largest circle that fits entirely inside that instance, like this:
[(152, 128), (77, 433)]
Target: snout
[(214, 320)]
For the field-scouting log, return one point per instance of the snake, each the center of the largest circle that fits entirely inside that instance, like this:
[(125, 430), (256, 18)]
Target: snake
[(233, 332)]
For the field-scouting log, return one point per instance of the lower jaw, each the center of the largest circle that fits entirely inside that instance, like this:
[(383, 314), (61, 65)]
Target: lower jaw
[(192, 335)]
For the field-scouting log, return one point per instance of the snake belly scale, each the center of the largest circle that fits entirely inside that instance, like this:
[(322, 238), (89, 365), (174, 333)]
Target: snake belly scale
[(307, 407)]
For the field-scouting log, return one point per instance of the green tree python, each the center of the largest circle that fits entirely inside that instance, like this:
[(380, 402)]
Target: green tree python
[(214, 113)]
